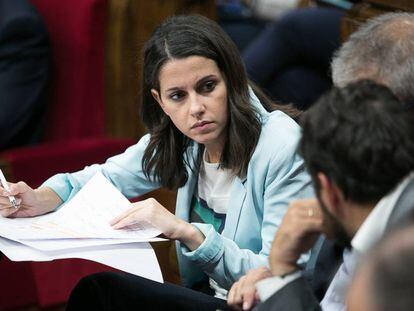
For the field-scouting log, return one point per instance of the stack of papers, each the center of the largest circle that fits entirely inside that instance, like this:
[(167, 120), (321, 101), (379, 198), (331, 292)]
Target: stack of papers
[(81, 229)]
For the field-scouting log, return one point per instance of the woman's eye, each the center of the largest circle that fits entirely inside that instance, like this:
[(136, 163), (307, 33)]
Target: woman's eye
[(209, 86), (176, 96)]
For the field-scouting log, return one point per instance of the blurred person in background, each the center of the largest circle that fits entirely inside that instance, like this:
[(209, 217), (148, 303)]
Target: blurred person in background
[(243, 20), (24, 74), (290, 57), (382, 50), (385, 279)]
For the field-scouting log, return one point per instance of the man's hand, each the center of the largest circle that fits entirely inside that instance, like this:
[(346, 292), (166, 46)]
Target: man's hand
[(242, 295), (297, 233)]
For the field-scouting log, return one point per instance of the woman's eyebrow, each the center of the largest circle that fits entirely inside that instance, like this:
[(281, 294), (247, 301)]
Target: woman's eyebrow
[(174, 88), (200, 81)]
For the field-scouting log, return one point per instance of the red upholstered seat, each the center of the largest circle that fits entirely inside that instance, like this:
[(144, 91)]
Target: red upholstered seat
[(77, 33), (74, 137), (35, 164)]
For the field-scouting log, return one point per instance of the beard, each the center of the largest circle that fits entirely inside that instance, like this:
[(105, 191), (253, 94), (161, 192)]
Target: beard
[(337, 231)]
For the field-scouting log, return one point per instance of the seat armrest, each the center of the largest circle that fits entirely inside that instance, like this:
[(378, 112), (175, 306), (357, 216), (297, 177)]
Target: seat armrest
[(35, 164)]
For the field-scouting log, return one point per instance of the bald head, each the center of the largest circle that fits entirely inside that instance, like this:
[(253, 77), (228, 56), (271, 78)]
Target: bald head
[(382, 50)]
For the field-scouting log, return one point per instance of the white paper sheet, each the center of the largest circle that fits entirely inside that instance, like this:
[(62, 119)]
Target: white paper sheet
[(135, 258), (86, 215), (66, 244), (80, 229)]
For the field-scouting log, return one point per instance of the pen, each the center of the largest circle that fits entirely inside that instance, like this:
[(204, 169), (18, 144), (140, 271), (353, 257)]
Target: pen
[(3, 181)]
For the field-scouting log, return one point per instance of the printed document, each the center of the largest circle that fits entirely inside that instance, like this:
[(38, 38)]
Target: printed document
[(86, 215), (81, 229)]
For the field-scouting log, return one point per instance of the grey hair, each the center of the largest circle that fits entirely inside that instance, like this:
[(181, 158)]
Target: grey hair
[(382, 50)]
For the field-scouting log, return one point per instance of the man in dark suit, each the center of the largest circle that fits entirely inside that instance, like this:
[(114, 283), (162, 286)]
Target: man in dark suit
[(357, 144), (24, 73)]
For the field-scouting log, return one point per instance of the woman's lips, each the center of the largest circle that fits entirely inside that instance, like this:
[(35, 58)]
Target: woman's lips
[(202, 126)]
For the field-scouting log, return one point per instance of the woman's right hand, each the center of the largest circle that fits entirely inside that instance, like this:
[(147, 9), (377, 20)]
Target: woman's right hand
[(30, 202)]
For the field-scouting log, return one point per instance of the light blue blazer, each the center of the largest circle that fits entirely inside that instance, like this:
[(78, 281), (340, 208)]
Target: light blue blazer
[(275, 176)]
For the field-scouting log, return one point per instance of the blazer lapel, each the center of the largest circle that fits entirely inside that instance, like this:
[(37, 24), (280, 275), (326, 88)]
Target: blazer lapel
[(236, 200), (184, 197)]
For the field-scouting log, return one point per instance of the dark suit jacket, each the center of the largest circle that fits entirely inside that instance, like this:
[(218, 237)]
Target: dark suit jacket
[(299, 296), (24, 73)]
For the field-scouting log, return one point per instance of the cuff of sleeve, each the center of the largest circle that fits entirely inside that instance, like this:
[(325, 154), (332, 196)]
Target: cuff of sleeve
[(210, 250), (268, 287), (59, 184)]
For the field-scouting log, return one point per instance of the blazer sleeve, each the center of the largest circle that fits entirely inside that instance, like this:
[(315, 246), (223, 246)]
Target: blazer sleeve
[(295, 296), (124, 171)]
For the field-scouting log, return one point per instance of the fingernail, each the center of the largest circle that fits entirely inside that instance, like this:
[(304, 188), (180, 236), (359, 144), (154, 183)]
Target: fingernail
[(246, 305)]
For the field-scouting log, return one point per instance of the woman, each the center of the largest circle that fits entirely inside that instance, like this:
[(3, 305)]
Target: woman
[(233, 163)]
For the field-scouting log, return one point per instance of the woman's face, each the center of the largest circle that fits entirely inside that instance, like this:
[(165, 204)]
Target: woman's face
[(193, 94)]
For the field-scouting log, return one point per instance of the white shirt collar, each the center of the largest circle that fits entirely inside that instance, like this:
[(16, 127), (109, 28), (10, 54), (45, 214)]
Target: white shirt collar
[(373, 228)]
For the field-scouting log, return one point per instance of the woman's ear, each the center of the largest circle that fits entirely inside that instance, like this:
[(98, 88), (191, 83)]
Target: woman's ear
[(157, 97)]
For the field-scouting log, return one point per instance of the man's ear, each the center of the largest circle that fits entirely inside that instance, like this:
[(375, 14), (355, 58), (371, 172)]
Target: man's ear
[(330, 194), (157, 97)]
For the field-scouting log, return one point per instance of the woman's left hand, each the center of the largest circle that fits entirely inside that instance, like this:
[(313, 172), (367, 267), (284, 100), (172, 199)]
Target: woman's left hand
[(152, 212), (243, 295)]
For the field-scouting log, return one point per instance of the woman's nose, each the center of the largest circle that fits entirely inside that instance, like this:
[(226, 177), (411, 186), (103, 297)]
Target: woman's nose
[(196, 106)]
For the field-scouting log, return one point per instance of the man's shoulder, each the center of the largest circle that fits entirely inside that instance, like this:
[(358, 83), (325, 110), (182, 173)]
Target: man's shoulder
[(295, 296), (17, 11)]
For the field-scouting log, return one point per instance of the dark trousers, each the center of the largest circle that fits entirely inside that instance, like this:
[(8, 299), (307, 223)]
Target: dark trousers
[(122, 291), (291, 57)]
